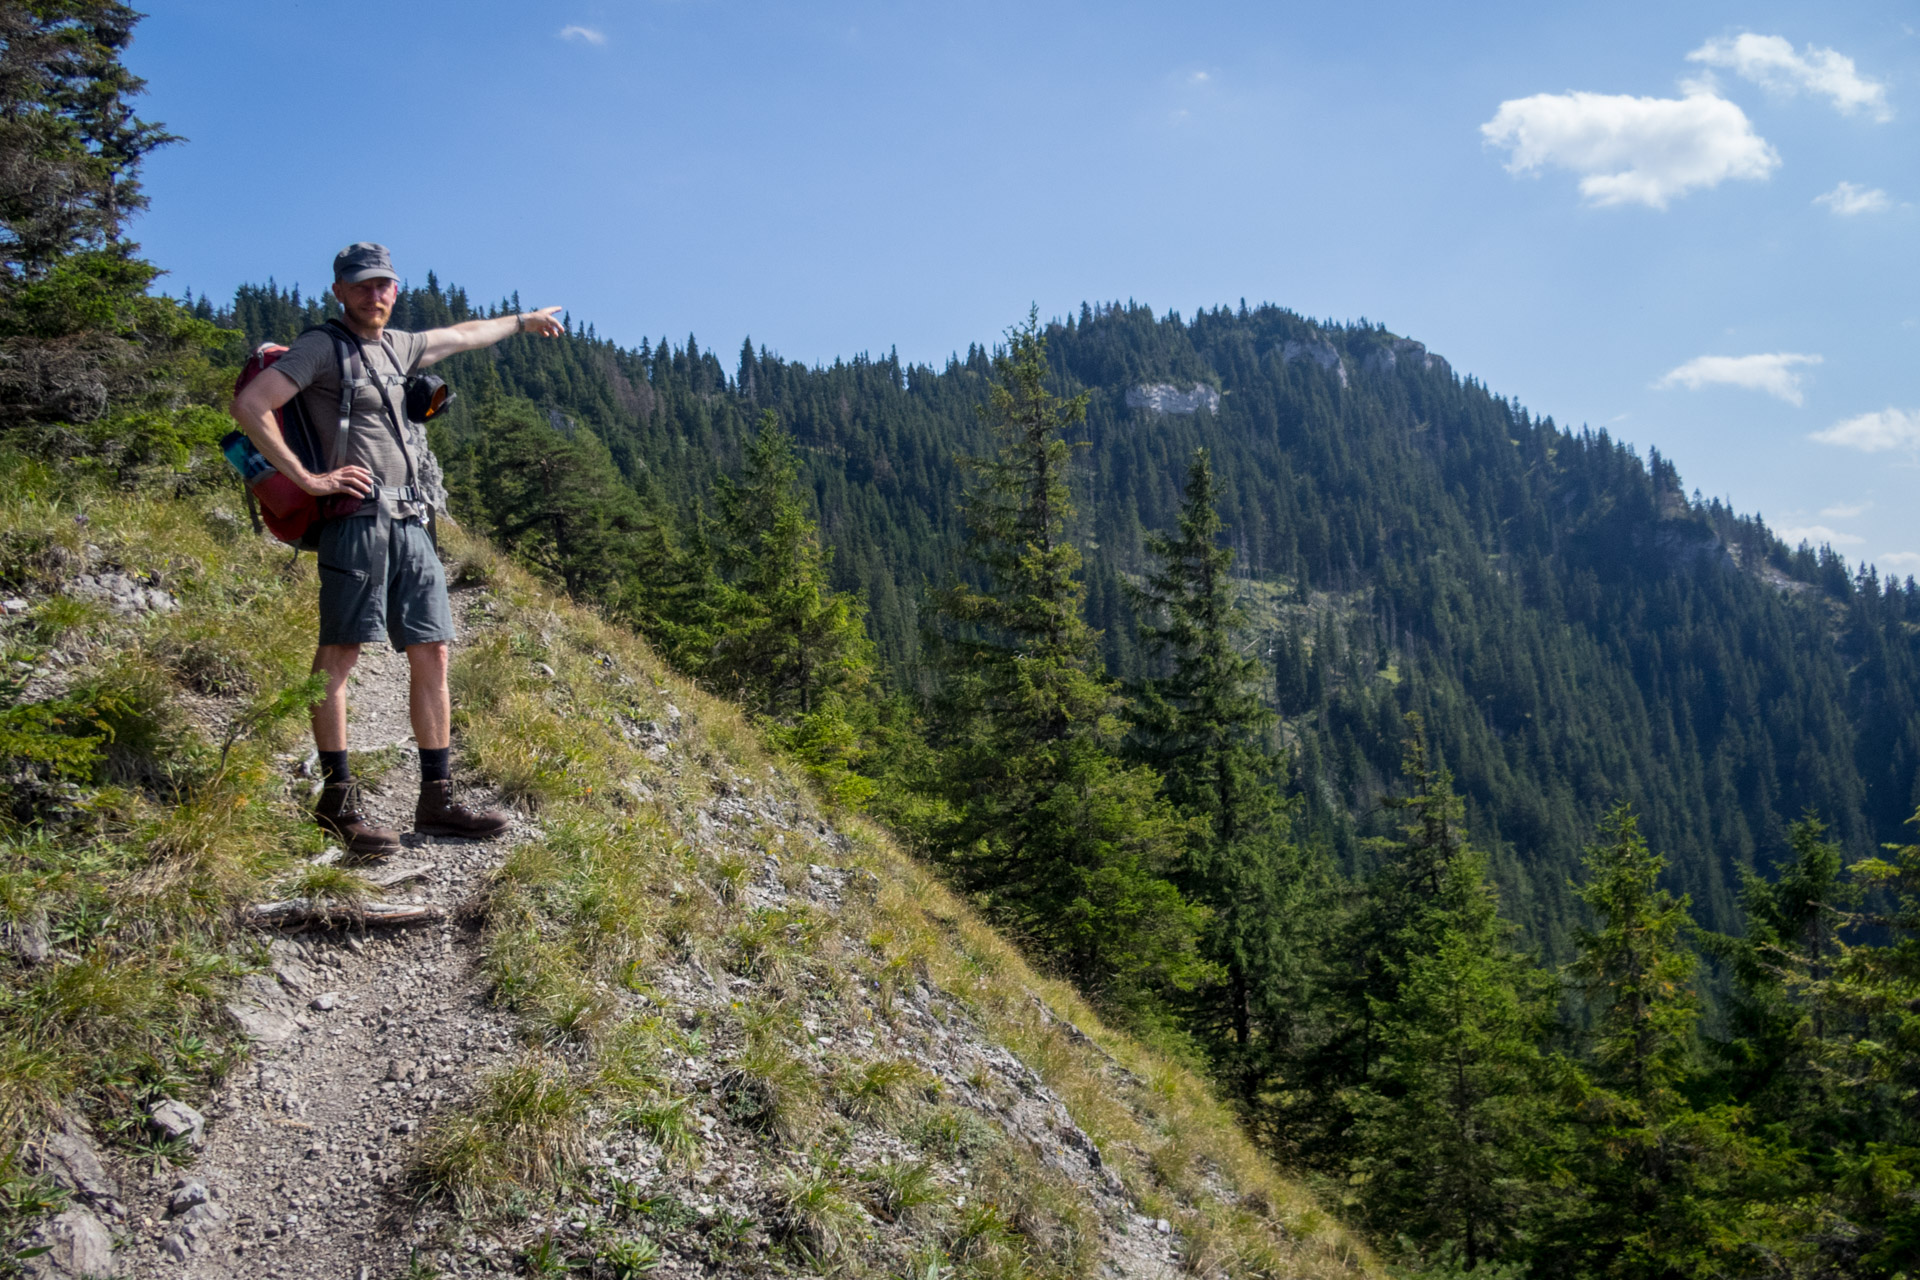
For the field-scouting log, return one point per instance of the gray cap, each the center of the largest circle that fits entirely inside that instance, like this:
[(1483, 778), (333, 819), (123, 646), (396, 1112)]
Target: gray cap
[(363, 261)]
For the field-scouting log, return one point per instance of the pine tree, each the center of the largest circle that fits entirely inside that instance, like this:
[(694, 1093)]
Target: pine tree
[(1668, 1189), (1879, 984), (1450, 1096), (1455, 1122), (1783, 1027), (1059, 839), (1205, 728), (555, 499), (70, 145), (788, 645)]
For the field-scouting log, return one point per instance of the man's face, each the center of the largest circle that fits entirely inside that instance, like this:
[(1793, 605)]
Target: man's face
[(368, 303)]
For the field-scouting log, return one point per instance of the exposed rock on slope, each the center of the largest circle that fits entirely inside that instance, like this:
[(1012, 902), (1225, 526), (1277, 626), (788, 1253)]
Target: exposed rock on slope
[(1164, 397), (1403, 351), (1318, 351)]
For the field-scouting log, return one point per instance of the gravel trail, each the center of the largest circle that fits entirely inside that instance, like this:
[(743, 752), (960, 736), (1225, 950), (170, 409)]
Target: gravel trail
[(361, 1037)]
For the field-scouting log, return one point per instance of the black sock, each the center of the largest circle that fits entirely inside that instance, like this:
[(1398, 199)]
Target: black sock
[(333, 766), (436, 764)]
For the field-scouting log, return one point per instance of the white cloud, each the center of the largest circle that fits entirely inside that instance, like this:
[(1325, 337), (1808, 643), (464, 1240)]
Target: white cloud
[(1771, 63), (1632, 150), (1846, 510), (1198, 77), (1818, 535), (588, 34), (1908, 560), (1849, 199), (1774, 374), (1890, 428)]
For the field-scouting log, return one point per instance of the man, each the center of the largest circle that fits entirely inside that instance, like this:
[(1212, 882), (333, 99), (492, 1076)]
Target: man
[(379, 573)]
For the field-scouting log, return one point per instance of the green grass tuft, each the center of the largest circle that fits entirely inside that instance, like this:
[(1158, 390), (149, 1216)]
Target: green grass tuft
[(815, 1211), (528, 1131)]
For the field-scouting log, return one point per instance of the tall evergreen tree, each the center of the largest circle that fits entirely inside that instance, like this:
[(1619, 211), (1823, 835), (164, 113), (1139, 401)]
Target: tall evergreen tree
[(1667, 1189), (1877, 1183), (1458, 1116), (1445, 1081), (70, 144), (1784, 1028), (1205, 727), (554, 498), (794, 650), (1058, 837)]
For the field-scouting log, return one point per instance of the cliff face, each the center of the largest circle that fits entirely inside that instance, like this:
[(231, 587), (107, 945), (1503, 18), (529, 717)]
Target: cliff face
[(1164, 397)]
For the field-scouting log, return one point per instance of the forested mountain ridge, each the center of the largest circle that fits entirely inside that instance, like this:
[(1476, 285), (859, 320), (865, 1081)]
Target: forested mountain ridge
[(1572, 627)]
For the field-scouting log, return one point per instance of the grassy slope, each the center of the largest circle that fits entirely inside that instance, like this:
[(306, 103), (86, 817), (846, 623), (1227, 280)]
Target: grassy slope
[(162, 838)]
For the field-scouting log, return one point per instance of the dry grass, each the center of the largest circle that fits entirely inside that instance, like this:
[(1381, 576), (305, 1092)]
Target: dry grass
[(612, 892), (126, 875)]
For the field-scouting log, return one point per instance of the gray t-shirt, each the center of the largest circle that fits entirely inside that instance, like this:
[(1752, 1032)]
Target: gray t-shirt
[(371, 441)]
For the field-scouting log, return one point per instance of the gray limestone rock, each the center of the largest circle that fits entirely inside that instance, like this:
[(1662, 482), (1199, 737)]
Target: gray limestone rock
[(1317, 350), (1403, 351), (261, 1010), (120, 593), (27, 939), (186, 1194), (173, 1119), (1164, 397), (69, 1158), (77, 1245)]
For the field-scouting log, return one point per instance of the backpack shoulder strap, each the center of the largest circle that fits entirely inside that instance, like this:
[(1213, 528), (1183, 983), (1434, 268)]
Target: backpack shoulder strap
[(356, 372), (353, 376)]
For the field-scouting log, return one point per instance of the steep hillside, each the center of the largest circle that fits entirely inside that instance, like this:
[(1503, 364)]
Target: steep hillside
[(683, 1018), (1573, 628)]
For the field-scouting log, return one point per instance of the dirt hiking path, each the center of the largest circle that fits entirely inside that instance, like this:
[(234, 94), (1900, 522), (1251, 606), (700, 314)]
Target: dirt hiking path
[(360, 1037)]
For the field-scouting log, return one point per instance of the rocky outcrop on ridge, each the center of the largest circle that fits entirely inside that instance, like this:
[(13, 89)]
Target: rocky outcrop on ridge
[(1164, 397)]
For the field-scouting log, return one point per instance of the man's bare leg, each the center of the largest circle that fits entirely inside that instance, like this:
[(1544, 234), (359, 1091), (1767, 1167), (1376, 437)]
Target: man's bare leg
[(337, 811), (330, 715), (427, 699)]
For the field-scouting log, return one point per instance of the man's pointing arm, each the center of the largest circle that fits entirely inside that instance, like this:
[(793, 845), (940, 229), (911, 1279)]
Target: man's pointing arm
[(473, 335)]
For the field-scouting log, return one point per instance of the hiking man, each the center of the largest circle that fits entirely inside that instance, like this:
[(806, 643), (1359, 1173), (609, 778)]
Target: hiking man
[(379, 572)]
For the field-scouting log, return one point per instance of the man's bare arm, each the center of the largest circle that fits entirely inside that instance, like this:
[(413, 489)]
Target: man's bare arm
[(253, 410), (472, 335)]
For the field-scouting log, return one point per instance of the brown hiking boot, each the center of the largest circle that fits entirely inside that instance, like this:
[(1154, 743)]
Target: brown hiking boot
[(437, 814), (338, 814)]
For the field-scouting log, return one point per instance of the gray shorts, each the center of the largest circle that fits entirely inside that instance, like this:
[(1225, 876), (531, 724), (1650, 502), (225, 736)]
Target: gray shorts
[(380, 576)]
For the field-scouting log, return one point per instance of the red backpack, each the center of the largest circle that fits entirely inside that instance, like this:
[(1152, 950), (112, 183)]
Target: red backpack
[(290, 513)]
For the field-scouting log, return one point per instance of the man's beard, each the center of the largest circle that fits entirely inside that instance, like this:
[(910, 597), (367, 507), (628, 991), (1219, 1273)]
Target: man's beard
[(372, 317)]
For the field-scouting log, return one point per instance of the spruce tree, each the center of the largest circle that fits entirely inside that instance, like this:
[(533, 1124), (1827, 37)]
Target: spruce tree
[(1879, 984), (794, 650), (1667, 1188), (554, 498), (1204, 726), (1451, 1096), (1784, 1027), (1057, 837)]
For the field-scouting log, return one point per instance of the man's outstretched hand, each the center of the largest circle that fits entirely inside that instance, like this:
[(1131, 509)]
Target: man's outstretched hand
[(542, 322)]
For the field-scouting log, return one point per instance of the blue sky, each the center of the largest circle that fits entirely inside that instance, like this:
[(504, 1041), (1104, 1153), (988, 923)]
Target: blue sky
[(1697, 226)]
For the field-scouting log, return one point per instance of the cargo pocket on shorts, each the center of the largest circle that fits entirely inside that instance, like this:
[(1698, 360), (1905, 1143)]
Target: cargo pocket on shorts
[(343, 603)]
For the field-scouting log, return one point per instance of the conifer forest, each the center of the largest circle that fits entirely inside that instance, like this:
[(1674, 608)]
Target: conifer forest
[(1518, 839)]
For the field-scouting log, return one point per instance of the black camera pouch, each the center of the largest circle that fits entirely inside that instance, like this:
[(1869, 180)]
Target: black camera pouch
[(428, 396)]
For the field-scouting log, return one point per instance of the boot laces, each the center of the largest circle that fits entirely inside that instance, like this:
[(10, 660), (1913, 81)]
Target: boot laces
[(351, 795)]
